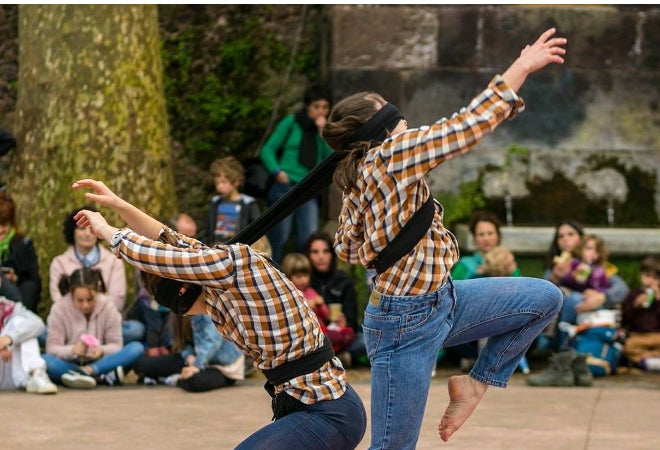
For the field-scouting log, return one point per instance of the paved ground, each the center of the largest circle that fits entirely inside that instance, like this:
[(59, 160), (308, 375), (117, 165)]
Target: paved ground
[(619, 412)]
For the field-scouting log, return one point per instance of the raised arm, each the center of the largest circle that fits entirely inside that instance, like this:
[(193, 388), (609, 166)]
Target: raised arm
[(546, 50), (136, 219)]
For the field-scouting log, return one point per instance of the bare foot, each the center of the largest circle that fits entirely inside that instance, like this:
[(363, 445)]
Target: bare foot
[(464, 396)]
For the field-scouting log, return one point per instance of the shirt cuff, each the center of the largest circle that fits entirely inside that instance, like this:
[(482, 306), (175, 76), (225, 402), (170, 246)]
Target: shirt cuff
[(507, 94), (116, 239)]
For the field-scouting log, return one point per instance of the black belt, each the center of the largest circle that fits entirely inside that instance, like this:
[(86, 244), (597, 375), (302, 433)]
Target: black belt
[(282, 403)]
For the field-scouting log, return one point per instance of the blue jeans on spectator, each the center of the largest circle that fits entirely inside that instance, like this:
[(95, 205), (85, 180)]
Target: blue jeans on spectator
[(333, 425), (131, 352), (404, 333), (305, 219), (132, 331)]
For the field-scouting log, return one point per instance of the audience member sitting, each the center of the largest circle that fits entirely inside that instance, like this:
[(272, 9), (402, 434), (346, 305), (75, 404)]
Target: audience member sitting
[(567, 238), (156, 319), (230, 211), (336, 287), (201, 359), (85, 251), (500, 262), (21, 365), (588, 268), (640, 318), (84, 341), (18, 257), (568, 368)]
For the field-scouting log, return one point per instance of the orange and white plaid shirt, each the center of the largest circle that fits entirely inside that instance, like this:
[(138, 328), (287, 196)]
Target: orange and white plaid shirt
[(251, 302), (391, 187)]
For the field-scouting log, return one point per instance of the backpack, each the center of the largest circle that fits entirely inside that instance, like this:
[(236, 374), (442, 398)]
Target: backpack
[(603, 347)]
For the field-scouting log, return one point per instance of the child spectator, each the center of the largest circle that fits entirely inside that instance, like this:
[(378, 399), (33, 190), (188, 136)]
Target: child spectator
[(21, 365), (84, 335), (500, 262), (298, 269), (156, 319), (201, 359), (229, 211), (588, 271), (641, 318)]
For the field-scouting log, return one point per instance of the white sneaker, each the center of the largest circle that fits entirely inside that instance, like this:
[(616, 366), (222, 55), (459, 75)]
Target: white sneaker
[(39, 383), (115, 377), (77, 380), (235, 370)]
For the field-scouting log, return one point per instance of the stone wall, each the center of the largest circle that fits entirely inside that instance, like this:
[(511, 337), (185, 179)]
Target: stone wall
[(599, 110)]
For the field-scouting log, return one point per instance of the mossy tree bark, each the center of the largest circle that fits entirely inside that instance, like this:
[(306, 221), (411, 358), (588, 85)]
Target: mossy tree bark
[(90, 104)]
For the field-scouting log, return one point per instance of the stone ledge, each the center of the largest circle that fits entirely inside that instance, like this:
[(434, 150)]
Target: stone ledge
[(536, 240)]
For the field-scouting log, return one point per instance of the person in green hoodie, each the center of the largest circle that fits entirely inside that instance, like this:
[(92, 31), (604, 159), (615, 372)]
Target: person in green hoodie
[(293, 149)]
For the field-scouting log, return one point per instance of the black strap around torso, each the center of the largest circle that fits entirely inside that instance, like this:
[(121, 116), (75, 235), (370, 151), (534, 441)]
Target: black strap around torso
[(411, 233)]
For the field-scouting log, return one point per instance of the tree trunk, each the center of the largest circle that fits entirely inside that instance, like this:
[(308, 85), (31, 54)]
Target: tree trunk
[(90, 105)]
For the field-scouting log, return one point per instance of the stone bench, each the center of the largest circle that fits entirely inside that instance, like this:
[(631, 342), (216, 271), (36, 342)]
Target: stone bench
[(624, 242)]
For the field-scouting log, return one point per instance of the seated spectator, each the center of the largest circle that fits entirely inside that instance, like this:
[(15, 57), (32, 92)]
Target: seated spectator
[(640, 318), (500, 262), (230, 211), (85, 251), (21, 365), (201, 359), (567, 238), (18, 257), (568, 368), (297, 268), (84, 343), (588, 269), (336, 287)]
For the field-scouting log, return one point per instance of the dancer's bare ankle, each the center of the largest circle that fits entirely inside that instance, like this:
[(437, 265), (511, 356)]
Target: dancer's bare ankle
[(464, 395)]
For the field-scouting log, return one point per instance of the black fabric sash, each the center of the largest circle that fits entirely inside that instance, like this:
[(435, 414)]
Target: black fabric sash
[(376, 128), (301, 366), (411, 233), (318, 178)]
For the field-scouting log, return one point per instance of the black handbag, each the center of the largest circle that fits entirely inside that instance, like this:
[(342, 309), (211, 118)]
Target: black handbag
[(257, 179)]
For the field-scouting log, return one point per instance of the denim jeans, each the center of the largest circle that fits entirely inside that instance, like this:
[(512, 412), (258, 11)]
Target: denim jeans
[(56, 367), (404, 333), (333, 425), (131, 330), (305, 219)]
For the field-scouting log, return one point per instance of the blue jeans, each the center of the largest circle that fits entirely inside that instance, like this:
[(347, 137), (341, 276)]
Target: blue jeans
[(132, 331), (333, 425), (403, 336), (131, 352), (306, 219)]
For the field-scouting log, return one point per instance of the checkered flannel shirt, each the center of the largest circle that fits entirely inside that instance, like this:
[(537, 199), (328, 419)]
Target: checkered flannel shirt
[(391, 187), (250, 301)]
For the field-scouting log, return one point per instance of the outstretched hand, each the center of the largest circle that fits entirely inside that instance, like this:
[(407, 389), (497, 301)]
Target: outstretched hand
[(102, 193), (96, 222), (544, 51)]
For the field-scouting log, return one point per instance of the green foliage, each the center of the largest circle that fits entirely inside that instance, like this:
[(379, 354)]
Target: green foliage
[(458, 207)]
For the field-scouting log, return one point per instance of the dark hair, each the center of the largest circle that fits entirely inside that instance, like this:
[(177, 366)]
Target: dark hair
[(345, 119), (651, 264), (317, 92), (69, 225), (554, 250), (84, 277), (485, 216), (325, 237), (7, 210)]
